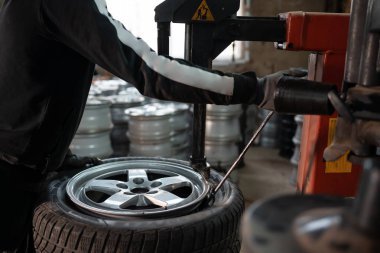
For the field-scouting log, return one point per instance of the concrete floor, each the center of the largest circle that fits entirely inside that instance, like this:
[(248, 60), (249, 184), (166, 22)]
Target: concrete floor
[(265, 174)]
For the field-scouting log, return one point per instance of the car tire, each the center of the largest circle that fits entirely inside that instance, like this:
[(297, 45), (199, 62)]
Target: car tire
[(59, 226)]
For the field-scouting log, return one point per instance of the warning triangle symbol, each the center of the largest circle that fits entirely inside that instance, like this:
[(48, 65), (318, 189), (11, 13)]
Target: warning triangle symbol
[(203, 13)]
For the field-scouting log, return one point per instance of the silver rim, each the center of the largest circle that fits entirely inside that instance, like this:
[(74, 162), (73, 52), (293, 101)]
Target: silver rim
[(142, 187)]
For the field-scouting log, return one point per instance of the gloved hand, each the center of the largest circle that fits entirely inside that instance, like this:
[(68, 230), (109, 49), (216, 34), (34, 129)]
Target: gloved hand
[(72, 164), (73, 161), (341, 142), (267, 85), (355, 136), (359, 136)]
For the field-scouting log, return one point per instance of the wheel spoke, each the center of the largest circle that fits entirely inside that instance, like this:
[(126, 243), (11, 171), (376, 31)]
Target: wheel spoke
[(164, 198), (171, 183), (104, 185), (120, 200), (137, 173)]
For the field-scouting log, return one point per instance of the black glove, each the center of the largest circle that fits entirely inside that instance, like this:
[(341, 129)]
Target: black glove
[(73, 161), (268, 84)]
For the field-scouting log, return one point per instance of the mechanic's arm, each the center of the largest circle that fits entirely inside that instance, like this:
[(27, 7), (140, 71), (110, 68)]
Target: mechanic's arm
[(87, 27)]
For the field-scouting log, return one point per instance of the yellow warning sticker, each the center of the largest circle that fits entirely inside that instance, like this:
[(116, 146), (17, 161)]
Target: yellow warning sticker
[(203, 13), (342, 165)]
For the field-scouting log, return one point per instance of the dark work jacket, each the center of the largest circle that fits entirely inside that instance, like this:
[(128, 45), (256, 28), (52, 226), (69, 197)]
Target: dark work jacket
[(48, 49)]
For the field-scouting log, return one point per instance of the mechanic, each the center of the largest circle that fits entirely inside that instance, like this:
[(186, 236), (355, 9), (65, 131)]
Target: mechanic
[(48, 50)]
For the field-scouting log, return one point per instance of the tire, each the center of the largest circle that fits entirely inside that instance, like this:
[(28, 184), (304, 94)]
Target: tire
[(58, 226)]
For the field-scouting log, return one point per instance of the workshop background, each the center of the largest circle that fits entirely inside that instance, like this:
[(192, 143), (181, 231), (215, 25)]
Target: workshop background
[(270, 166), (265, 171)]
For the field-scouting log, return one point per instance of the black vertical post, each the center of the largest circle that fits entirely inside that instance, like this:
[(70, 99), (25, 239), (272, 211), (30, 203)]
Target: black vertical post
[(368, 76), (198, 50), (378, 60), (163, 36), (355, 42), (367, 203)]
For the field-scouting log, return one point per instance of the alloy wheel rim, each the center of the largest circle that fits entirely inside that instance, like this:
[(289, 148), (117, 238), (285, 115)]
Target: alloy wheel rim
[(138, 187)]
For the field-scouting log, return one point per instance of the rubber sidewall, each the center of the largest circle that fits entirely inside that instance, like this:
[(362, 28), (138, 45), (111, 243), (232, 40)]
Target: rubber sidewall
[(61, 227)]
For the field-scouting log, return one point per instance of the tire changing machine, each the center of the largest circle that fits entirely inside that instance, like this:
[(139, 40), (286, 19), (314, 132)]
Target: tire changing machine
[(304, 223)]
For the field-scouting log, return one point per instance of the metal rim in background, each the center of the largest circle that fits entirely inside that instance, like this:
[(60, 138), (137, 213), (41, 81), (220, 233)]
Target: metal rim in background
[(138, 187)]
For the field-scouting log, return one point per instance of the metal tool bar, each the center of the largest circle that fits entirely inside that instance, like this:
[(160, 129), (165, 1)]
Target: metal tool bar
[(251, 29), (234, 165)]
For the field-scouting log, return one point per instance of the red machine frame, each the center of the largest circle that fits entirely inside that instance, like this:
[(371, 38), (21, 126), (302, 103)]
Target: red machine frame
[(325, 34)]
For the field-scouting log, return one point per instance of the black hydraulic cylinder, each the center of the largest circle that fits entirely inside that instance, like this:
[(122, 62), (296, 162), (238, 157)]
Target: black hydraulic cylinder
[(378, 60), (355, 41), (299, 96), (368, 76), (375, 22)]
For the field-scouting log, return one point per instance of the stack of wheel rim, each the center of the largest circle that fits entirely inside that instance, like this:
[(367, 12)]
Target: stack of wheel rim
[(120, 103), (109, 87), (297, 152), (180, 130), (269, 136), (149, 130), (159, 129), (222, 134), (93, 135)]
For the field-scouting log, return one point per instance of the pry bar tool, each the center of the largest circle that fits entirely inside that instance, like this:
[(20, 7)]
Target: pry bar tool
[(234, 165)]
